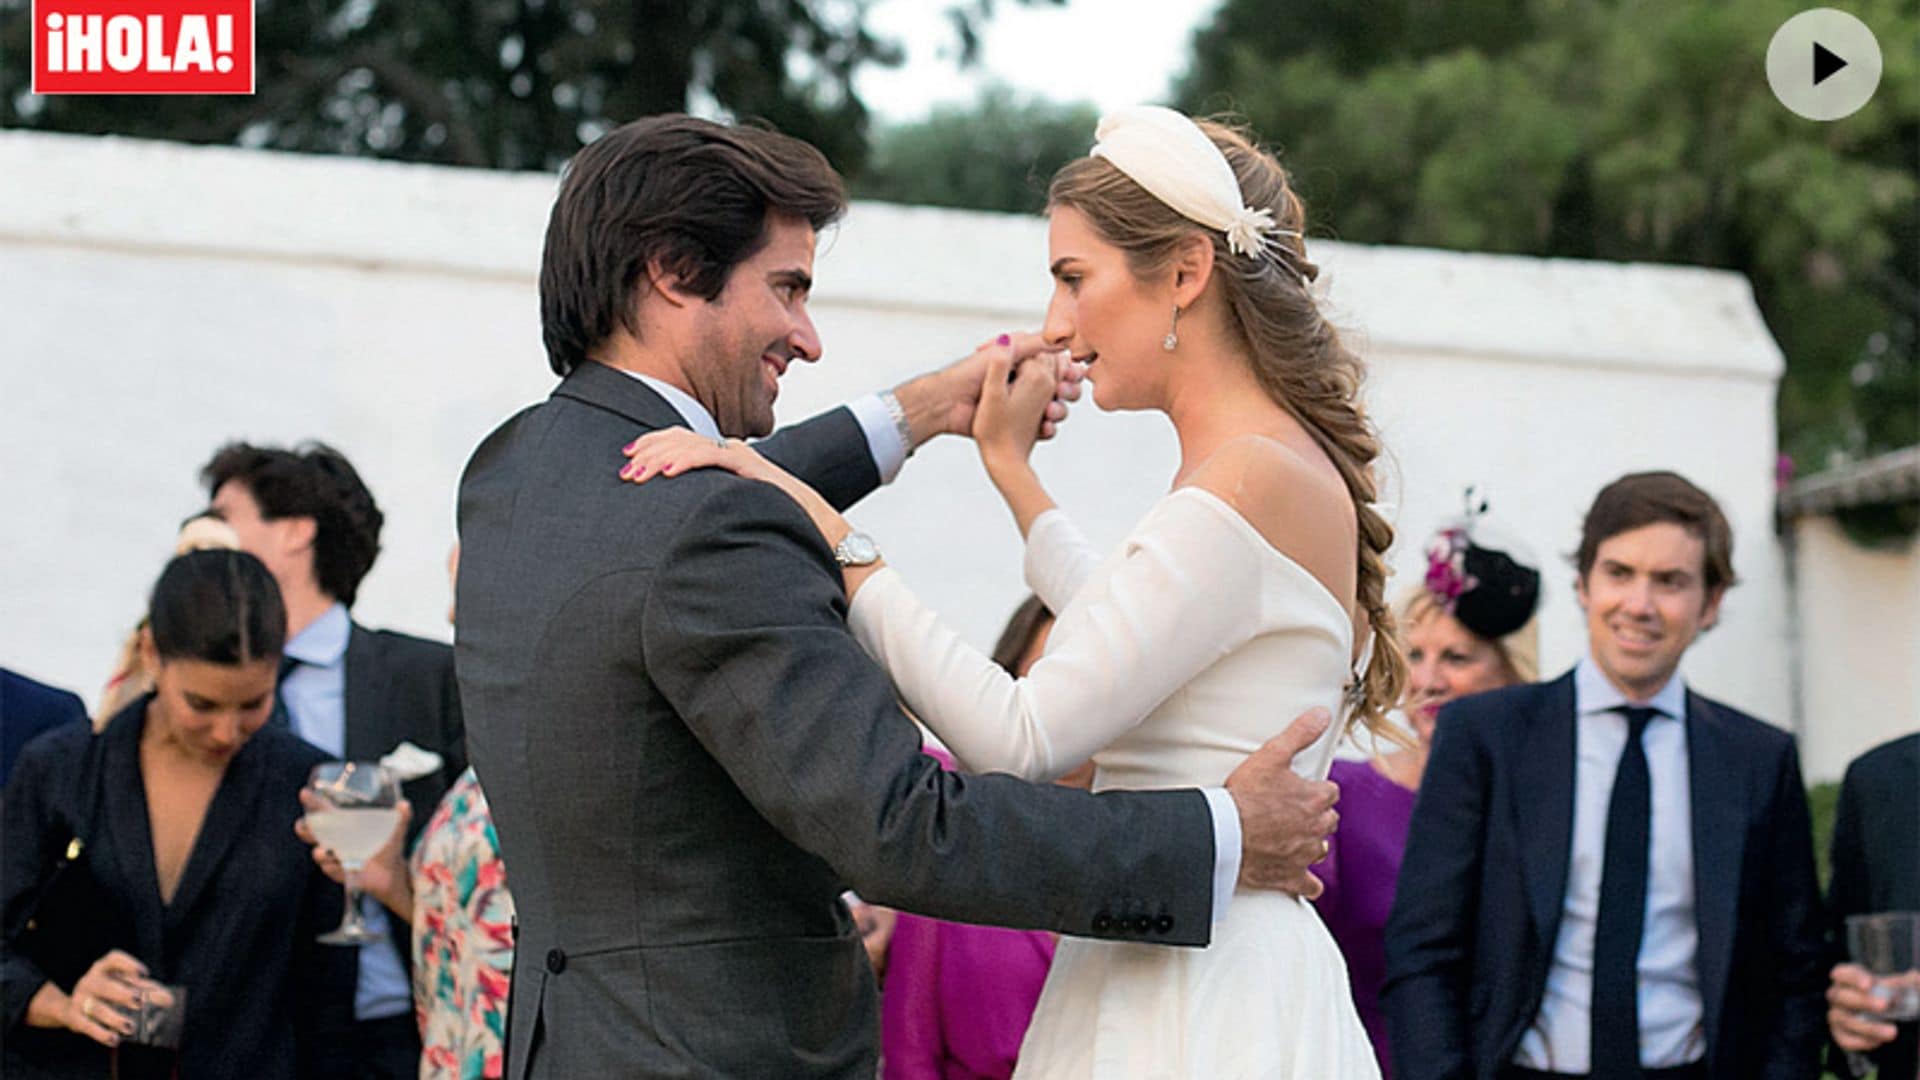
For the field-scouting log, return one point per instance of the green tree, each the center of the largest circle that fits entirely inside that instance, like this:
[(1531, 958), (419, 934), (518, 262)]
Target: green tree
[(1613, 129), (997, 155), (514, 84)]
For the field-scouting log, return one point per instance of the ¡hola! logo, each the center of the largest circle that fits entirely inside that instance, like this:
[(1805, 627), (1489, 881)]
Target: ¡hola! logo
[(143, 46)]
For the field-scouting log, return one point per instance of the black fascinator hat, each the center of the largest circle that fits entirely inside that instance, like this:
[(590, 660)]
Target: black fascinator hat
[(1480, 578)]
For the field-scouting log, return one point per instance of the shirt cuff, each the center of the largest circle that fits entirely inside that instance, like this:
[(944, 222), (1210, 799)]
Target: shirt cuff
[(1226, 849), (883, 436)]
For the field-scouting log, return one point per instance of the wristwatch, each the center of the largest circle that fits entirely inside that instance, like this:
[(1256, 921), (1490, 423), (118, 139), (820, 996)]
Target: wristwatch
[(856, 549)]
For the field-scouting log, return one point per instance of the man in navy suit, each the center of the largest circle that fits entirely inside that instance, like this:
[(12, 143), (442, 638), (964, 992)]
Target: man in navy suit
[(1609, 875), (28, 708)]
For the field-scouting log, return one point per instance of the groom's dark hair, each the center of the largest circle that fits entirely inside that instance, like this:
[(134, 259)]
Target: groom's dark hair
[(692, 194)]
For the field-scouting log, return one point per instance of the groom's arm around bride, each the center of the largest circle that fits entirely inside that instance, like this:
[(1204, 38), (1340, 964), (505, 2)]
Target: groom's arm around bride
[(687, 754)]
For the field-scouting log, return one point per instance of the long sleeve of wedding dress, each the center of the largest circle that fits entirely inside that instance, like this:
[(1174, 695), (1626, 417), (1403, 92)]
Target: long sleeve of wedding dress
[(1059, 560), (1181, 593)]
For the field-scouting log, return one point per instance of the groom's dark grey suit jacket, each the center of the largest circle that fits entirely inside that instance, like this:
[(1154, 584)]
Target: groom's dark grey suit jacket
[(689, 758)]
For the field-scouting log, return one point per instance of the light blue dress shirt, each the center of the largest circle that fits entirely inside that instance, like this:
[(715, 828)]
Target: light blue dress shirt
[(1672, 1017), (889, 452), (316, 695)]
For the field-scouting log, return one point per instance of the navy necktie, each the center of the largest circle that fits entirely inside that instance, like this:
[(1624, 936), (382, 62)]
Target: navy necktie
[(1623, 909), (280, 717)]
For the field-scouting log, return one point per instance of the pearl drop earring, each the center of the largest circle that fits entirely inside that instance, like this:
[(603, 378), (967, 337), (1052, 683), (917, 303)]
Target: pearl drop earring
[(1172, 340)]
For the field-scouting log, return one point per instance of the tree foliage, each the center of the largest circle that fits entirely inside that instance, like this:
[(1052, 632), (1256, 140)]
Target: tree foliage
[(997, 155), (1612, 129), (513, 84)]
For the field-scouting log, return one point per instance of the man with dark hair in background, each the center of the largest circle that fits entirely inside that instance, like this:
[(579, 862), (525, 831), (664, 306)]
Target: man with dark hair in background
[(1609, 875), (353, 692)]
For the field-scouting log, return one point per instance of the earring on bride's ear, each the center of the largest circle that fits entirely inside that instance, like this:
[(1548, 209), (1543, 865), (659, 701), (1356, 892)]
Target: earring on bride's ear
[(1172, 340)]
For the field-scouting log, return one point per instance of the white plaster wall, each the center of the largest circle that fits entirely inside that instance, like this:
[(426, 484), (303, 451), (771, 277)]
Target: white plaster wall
[(156, 300), (1860, 645)]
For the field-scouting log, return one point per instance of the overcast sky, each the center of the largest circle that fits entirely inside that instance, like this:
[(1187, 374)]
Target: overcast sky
[(1109, 52)]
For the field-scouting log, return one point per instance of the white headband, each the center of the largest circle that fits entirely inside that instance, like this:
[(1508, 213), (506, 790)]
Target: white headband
[(1166, 153)]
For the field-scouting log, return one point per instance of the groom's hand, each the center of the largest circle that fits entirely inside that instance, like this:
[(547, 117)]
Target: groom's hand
[(1284, 819), (943, 402)]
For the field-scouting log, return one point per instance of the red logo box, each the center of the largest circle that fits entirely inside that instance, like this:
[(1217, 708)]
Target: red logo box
[(142, 46)]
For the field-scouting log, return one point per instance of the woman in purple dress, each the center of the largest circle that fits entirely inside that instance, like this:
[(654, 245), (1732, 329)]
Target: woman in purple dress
[(958, 998), (1468, 628)]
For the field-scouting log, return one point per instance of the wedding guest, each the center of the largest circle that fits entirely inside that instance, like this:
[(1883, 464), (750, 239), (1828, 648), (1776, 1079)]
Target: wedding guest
[(356, 693), (453, 893), (1610, 874), (28, 708), (1469, 628), (958, 998), (129, 681), (157, 855), (1876, 867)]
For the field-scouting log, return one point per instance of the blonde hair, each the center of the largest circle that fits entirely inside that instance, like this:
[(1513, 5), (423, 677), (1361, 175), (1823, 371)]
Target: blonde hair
[(1519, 651), (1297, 354)]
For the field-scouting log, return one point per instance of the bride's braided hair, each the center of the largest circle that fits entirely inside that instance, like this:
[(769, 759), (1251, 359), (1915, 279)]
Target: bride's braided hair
[(1297, 354)]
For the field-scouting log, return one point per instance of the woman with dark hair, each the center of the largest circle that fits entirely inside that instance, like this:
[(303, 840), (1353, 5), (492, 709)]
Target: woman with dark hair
[(1469, 628), (129, 682), (151, 871)]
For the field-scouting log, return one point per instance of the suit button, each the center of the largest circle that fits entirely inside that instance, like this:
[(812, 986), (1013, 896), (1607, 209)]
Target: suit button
[(1142, 924), (556, 961), (1163, 924), (1102, 923)]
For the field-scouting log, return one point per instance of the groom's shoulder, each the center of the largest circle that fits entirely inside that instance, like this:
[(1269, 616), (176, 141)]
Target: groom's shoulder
[(715, 503)]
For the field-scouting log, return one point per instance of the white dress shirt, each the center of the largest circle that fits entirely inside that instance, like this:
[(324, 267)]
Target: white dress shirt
[(889, 454), (1672, 1017)]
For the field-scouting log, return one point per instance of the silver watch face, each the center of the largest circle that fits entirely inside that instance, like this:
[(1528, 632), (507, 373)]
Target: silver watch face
[(857, 549)]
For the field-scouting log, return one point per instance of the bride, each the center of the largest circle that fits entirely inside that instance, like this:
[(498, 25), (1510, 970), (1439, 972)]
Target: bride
[(1251, 592)]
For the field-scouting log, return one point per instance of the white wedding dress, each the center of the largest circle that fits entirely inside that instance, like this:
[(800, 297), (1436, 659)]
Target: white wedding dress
[(1171, 661)]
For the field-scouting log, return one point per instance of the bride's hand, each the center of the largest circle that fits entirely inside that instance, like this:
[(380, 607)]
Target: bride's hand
[(1008, 420), (672, 451)]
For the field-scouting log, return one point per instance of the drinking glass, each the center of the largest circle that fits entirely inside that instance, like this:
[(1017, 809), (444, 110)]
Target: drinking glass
[(360, 805), (161, 1016), (1887, 944)]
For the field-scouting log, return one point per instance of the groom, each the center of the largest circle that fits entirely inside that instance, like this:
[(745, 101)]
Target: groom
[(687, 754)]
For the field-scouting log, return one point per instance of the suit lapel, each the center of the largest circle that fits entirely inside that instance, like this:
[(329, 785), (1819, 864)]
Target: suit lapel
[(1542, 805), (123, 808), (1717, 793), (232, 814), (369, 732)]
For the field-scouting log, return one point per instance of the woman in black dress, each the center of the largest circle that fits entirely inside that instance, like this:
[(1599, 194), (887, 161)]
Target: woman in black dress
[(161, 853)]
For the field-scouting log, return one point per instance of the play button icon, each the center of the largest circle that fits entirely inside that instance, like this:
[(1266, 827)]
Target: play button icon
[(1823, 64)]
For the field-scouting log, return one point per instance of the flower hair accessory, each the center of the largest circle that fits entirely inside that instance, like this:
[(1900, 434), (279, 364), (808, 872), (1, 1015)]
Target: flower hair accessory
[(1166, 153), (1447, 575)]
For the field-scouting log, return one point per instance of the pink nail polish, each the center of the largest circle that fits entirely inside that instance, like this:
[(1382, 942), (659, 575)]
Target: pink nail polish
[(1003, 339)]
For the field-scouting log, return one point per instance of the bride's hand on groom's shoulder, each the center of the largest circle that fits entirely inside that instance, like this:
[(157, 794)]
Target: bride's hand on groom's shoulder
[(672, 451), (675, 450)]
